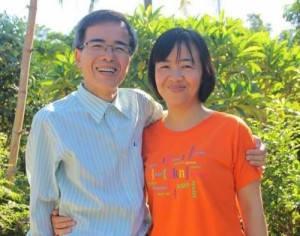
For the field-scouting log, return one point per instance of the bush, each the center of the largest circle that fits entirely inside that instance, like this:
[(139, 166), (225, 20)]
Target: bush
[(258, 79), (14, 199), (281, 182)]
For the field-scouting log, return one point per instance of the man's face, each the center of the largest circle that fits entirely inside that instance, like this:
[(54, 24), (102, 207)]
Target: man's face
[(104, 67)]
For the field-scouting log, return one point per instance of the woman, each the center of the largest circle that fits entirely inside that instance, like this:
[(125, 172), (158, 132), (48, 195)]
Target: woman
[(197, 179), (194, 157)]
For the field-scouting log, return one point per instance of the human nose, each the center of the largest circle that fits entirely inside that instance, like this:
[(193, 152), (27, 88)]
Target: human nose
[(109, 46), (176, 74), (108, 54)]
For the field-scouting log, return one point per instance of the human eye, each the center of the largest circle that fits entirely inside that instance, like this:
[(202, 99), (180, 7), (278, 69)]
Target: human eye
[(96, 45), (187, 66), (121, 49), (162, 66)]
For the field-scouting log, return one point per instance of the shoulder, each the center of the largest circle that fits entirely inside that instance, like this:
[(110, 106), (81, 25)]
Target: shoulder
[(143, 99), (55, 108), (230, 119), (234, 125), (138, 93), (153, 127)]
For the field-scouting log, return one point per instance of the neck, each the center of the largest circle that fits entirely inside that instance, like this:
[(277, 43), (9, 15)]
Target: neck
[(180, 118), (104, 94)]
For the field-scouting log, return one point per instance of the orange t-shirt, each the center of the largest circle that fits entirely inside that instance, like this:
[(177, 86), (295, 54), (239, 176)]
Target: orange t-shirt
[(192, 176)]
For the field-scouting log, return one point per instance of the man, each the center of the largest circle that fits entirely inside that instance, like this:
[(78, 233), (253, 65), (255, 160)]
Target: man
[(84, 151)]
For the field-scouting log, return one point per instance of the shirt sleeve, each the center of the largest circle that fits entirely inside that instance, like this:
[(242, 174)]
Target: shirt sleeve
[(152, 110), (41, 164), (244, 173)]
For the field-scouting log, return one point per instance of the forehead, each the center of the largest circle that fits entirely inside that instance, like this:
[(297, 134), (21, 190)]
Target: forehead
[(108, 31), (181, 51)]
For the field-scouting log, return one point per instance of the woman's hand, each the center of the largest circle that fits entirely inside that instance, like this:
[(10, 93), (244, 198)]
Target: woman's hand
[(61, 224)]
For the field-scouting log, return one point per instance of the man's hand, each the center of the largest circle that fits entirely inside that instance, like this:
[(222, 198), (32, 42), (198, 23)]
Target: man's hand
[(61, 224), (257, 157)]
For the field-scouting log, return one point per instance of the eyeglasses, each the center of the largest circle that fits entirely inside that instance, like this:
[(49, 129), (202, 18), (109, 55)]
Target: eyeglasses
[(101, 47)]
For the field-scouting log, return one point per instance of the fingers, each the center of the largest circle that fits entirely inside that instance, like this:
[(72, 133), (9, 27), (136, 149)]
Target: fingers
[(60, 220), (259, 144), (263, 148), (55, 212), (258, 141), (261, 164), (259, 154), (256, 160), (261, 168), (58, 232), (61, 224), (63, 228), (257, 157)]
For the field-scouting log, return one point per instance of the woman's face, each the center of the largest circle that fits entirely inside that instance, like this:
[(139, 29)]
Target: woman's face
[(178, 78)]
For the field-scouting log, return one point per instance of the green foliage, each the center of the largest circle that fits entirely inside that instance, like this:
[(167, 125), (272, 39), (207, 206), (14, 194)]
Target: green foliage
[(148, 27), (256, 23), (63, 77), (12, 34), (292, 15), (46, 46), (258, 79), (281, 182), (14, 199)]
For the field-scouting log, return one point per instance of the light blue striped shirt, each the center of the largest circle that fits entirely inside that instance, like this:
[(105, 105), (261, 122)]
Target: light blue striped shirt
[(84, 156)]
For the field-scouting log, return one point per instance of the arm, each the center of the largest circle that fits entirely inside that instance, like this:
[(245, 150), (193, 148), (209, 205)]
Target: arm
[(257, 157), (61, 224), (41, 164), (150, 109), (251, 207)]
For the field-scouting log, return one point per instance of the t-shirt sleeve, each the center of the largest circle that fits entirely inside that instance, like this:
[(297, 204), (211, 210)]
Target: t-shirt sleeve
[(244, 173)]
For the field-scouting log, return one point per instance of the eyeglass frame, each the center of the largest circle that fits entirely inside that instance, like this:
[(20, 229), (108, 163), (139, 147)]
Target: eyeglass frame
[(119, 43)]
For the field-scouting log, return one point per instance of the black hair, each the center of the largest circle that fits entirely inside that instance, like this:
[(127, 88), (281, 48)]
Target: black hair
[(102, 16), (176, 37)]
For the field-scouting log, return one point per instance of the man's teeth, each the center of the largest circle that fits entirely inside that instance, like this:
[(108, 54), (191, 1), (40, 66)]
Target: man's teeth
[(106, 69)]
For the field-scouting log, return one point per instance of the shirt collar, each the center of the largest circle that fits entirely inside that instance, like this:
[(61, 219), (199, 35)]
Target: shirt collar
[(97, 107), (124, 103)]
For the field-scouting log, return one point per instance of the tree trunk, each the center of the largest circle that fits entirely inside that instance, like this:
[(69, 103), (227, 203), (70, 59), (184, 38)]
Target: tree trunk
[(92, 5), (218, 7), (147, 3), (22, 92)]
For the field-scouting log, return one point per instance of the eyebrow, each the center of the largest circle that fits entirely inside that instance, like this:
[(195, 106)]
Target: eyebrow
[(103, 41), (180, 60)]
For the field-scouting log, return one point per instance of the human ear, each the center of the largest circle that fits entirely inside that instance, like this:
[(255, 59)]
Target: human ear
[(78, 57)]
